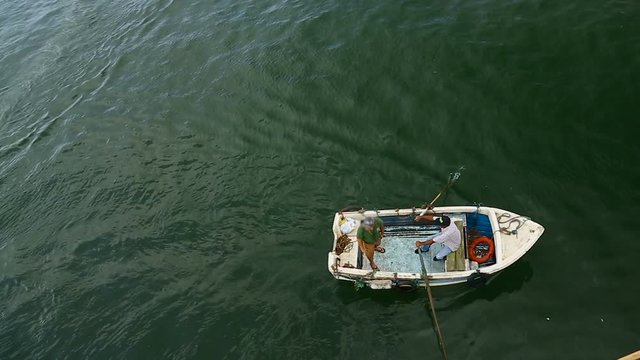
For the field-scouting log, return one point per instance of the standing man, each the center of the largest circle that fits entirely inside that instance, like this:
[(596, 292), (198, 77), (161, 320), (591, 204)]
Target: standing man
[(370, 234), (449, 236)]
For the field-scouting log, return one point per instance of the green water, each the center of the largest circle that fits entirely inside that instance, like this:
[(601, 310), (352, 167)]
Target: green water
[(169, 172)]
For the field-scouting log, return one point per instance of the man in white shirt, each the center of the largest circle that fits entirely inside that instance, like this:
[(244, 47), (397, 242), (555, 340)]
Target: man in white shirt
[(449, 236)]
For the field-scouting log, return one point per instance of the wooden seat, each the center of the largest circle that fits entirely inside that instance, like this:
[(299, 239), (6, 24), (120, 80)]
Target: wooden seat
[(456, 261)]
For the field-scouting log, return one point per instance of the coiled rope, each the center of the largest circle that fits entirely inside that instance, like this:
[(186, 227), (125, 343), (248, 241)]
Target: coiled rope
[(507, 228), (343, 244)]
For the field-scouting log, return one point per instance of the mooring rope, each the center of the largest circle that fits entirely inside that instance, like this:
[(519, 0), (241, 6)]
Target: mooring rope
[(507, 228), (343, 244), (433, 308)]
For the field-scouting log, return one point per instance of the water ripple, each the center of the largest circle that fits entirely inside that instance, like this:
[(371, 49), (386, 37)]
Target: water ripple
[(169, 171)]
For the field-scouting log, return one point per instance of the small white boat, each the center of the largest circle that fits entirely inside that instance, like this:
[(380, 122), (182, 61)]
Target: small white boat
[(491, 240)]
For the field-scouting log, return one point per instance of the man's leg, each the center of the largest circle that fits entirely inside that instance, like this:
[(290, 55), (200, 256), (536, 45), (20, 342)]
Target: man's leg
[(379, 248), (443, 252), (369, 250)]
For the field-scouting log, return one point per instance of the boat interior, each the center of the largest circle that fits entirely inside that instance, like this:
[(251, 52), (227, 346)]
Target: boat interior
[(401, 233)]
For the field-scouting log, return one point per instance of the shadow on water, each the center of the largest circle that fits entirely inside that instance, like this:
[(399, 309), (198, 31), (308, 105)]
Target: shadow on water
[(507, 281), (448, 297), (348, 294)]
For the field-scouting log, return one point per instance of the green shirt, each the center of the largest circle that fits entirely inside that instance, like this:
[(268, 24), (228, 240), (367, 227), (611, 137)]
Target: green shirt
[(370, 237)]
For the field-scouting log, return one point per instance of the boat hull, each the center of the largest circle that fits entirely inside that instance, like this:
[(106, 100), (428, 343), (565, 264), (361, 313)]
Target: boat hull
[(512, 234)]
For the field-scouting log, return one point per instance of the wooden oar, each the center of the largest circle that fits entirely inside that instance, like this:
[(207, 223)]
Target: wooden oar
[(452, 179), (432, 305)]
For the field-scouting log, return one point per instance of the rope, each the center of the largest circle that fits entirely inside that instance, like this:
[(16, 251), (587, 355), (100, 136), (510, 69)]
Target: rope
[(359, 282), (343, 244), (507, 229), (433, 308)]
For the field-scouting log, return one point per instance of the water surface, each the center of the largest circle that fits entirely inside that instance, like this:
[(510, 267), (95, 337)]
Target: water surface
[(169, 172)]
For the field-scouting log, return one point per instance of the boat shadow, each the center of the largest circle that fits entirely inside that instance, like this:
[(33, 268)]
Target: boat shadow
[(348, 294), (447, 297), (507, 281)]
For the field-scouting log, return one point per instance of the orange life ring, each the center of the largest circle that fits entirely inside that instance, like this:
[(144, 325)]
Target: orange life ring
[(472, 249)]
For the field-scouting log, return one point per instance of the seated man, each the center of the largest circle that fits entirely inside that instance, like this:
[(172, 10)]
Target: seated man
[(449, 236), (369, 237)]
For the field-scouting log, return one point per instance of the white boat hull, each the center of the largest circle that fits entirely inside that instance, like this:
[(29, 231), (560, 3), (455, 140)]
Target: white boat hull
[(513, 235)]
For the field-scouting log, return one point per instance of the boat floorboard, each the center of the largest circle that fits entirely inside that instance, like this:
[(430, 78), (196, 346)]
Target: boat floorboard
[(400, 257)]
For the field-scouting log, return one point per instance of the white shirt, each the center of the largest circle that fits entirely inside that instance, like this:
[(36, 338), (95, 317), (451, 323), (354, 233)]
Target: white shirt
[(450, 237)]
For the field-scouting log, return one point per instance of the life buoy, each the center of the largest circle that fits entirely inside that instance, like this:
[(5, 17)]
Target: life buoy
[(476, 254)]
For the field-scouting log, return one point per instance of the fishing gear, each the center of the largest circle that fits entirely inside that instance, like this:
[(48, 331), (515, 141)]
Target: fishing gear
[(516, 220), (343, 244)]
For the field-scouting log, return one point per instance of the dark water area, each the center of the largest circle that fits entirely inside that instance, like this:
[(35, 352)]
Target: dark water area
[(169, 172)]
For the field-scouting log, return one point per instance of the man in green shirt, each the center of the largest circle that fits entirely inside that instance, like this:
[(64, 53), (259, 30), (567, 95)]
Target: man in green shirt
[(370, 234)]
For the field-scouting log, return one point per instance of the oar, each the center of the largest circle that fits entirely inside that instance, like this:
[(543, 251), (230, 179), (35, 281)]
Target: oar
[(453, 177), (432, 305)]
